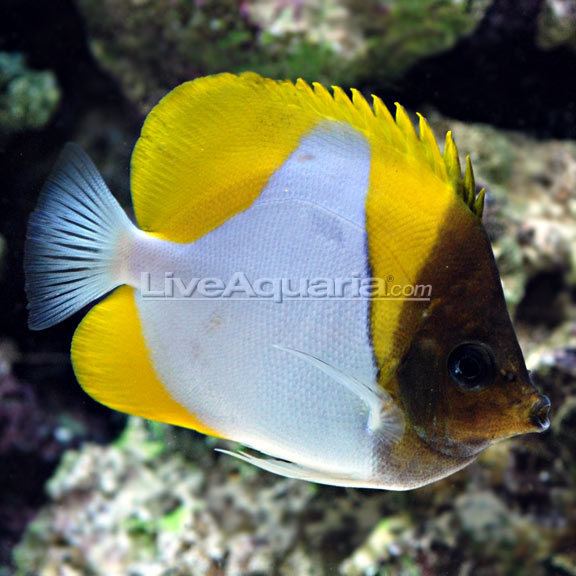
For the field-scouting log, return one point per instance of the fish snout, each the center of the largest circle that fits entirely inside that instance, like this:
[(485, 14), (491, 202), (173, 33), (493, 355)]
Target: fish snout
[(540, 413)]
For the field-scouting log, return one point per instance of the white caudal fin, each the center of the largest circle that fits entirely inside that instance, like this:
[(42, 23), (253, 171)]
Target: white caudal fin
[(73, 247)]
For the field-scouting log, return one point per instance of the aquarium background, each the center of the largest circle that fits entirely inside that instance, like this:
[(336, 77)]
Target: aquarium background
[(87, 492)]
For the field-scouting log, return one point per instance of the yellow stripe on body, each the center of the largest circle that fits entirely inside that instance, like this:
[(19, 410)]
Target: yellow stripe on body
[(112, 364), (406, 209)]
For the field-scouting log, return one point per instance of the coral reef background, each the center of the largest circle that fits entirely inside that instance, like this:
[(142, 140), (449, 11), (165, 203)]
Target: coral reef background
[(84, 491)]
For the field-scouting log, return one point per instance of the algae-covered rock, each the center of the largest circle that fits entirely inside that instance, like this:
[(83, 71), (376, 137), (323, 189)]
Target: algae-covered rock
[(385, 546), (162, 502), (150, 47), (530, 214), (332, 23), (146, 506), (138, 508), (28, 98), (399, 33)]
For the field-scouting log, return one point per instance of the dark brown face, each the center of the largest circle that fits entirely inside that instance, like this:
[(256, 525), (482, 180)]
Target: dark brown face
[(462, 381)]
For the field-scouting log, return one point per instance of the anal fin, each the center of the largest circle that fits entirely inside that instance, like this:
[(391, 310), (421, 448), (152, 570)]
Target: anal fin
[(113, 365)]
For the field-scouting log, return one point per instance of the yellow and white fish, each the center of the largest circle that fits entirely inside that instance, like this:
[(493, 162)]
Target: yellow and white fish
[(245, 178)]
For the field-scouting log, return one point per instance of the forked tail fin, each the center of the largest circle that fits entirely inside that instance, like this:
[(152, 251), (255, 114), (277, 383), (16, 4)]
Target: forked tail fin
[(76, 243)]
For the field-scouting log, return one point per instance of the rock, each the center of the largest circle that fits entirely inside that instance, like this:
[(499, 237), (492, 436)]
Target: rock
[(136, 508), (399, 34), (150, 47), (382, 548), (330, 23), (28, 98), (529, 214)]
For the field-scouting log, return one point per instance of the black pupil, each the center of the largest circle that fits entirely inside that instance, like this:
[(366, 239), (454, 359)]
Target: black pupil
[(471, 365)]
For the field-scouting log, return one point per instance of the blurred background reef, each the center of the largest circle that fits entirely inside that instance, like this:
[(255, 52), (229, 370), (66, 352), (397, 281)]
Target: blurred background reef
[(86, 492)]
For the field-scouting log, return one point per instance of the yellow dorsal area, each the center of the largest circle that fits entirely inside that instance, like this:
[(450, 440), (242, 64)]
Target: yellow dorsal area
[(112, 364), (209, 147)]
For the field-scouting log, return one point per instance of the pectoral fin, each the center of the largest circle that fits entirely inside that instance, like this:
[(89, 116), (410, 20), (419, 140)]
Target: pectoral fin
[(385, 424), (383, 413)]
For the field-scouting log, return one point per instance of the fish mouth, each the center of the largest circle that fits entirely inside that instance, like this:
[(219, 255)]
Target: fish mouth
[(540, 415)]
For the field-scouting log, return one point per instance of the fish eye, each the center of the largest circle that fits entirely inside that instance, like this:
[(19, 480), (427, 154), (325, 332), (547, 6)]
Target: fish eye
[(471, 365)]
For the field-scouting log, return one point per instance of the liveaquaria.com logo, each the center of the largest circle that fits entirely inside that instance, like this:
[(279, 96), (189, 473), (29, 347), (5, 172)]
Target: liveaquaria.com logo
[(239, 286)]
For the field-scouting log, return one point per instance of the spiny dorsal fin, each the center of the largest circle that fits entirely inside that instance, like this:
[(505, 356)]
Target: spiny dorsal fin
[(399, 132)]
